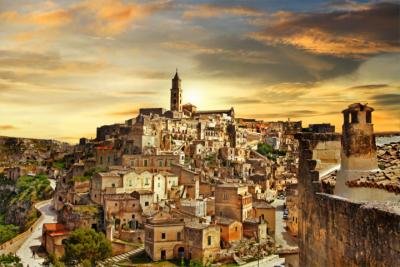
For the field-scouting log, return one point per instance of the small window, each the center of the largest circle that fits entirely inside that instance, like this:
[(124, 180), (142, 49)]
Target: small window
[(145, 162), (369, 117), (178, 236), (354, 118), (146, 203), (162, 235), (236, 229), (133, 216), (113, 185), (209, 240), (116, 204)]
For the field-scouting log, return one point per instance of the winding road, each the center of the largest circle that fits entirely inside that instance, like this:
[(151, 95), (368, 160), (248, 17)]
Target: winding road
[(34, 240)]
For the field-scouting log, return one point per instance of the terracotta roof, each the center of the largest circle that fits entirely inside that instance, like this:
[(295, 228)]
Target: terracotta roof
[(262, 205), (58, 233), (53, 226), (224, 220), (388, 178)]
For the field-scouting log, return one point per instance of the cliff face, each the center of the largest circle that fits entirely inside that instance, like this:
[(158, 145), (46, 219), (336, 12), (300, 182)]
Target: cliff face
[(18, 214), (14, 150), (17, 199)]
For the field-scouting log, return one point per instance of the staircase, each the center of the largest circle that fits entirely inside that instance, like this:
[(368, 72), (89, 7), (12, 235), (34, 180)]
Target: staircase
[(121, 257)]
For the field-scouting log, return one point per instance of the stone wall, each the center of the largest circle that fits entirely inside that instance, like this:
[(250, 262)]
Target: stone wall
[(334, 231)]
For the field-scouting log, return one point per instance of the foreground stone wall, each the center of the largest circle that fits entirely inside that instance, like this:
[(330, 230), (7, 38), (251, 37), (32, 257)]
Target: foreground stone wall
[(334, 231)]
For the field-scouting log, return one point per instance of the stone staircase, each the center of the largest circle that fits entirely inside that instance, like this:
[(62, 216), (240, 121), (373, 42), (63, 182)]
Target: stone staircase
[(111, 261)]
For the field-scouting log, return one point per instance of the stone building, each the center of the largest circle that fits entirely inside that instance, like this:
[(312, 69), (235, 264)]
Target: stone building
[(233, 201), (176, 93), (292, 200), (53, 236), (265, 213), (103, 180), (231, 230), (358, 153), (339, 230), (153, 162), (164, 237), (202, 242)]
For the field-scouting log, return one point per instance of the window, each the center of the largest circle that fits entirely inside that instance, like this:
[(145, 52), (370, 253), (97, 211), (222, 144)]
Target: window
[(145, 162), (178, 236), (133, 216), (146, 182), (354, 118), (160, 163), (159, 185), (368, 117), (162, 235), (146, 203), (225, 196), (236, 229), (109, 159), (113, 185), (130, 182), (116, 204), (209, 240)]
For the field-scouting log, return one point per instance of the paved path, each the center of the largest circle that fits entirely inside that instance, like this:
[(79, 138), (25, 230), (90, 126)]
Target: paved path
[(282, 237), (25, 251), (120, 257)]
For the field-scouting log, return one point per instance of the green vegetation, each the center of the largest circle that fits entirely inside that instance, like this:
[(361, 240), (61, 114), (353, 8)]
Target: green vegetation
[(86, 247), (8, 231), (142, 260), (86, 209), (267, 150), (10, 261), (52, 260), (59, 164), (28, 190), (33, 188), (88, 174)]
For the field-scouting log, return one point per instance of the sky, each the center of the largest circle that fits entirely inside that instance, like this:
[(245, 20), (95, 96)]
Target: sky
[(67, 67)]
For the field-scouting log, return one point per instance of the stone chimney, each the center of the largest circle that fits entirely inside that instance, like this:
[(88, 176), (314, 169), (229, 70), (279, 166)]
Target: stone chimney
[(358, 154)]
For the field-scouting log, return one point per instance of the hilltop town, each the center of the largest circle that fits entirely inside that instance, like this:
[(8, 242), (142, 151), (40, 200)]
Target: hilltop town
[(188, 186)]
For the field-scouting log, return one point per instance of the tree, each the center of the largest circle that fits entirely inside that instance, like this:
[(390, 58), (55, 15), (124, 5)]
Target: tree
[(86, 245), (10, 261)]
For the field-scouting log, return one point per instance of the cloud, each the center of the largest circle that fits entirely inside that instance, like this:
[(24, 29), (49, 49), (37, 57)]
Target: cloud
[(111, 17), (388, 100), (140, 93), (205, 11), (100, 17), (243, 100), (5, 127), (370, 86), (128, 112), (53, 18), (289, 114), (357, 33), (50, 61)]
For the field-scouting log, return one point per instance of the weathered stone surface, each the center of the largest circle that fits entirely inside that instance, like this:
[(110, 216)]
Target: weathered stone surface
[(334, 231)]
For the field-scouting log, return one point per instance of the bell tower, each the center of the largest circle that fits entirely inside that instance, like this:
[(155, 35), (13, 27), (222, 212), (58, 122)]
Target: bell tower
[(176, 93)]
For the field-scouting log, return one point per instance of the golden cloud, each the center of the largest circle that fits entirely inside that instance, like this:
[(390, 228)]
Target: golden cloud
[(355, 34), (209, 11), (128, 112), (5, 127), (102, 17)]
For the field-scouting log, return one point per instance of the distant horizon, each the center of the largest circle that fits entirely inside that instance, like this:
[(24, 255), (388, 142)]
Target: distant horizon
[(67, 67)]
